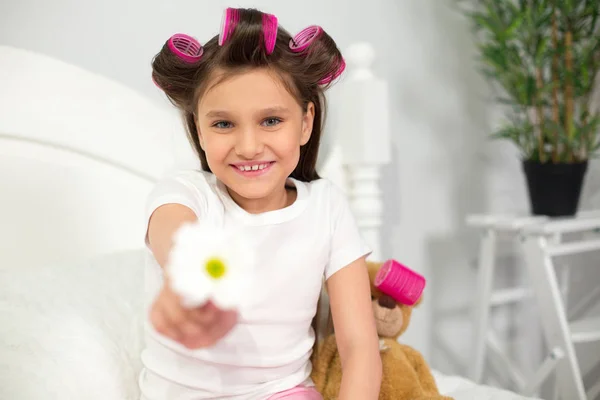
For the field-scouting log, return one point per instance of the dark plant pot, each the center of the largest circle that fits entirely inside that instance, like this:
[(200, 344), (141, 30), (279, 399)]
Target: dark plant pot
[(554, 189)]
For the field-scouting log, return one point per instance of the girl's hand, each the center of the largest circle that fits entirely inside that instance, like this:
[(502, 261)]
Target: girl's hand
[(193, 328)]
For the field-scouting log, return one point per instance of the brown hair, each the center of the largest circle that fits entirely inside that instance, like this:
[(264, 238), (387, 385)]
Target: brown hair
[(184, 83)]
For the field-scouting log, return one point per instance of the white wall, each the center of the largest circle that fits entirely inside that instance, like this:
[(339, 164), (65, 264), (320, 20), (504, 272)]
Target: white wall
[(443, 166)]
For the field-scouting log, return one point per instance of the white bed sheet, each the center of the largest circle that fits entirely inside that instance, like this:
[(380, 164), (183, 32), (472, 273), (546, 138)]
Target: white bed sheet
[(464, 389), (74, 332)]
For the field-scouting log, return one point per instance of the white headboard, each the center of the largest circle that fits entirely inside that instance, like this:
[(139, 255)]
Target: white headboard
[(79, 153)]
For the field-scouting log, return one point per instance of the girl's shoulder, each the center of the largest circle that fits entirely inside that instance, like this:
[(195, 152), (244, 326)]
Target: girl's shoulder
[(184, 186)]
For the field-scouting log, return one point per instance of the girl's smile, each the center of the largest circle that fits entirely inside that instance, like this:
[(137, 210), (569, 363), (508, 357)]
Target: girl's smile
[(252, 169)]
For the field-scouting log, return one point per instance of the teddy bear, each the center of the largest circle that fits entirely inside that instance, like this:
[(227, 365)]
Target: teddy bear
[(406, 374)]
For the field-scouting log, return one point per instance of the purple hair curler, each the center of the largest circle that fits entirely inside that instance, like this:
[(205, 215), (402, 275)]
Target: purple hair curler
[(270, 26), (331, 77), (304, 38), (185, 47), (400, 282), (231, 17)]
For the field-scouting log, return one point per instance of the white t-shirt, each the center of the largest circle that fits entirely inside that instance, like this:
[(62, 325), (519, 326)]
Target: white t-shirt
[(269, 349)]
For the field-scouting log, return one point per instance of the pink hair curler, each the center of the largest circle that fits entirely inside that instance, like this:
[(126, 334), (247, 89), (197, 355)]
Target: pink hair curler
[(231, 17), (304, 38), (185, 47), (270, 26), (400, 282), (331, 77)]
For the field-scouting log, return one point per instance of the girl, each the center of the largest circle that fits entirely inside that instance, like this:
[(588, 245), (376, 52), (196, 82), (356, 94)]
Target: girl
[(252, 101)]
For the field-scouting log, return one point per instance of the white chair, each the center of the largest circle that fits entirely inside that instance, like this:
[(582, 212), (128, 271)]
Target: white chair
[(542, 240)]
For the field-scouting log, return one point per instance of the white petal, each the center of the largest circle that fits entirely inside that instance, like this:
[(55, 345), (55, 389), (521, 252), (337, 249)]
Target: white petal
[(194, 244), (194, 289), (196, 300), (228, 296)]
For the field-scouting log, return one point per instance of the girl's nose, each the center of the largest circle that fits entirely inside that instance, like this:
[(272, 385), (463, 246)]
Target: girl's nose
[(248, 144)]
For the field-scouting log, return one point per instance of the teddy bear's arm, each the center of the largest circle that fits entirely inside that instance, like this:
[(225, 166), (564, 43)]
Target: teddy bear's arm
[(324, 372), (422, 369)]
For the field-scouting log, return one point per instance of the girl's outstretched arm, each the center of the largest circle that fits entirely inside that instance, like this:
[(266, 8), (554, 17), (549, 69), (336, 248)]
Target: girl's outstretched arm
[(194, 328), (350, 301)]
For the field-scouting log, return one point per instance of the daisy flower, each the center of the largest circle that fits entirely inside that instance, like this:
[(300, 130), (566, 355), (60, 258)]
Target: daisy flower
[(209, 263)]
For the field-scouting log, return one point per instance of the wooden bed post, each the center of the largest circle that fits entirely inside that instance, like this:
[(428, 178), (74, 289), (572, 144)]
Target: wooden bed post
[(365, 141)]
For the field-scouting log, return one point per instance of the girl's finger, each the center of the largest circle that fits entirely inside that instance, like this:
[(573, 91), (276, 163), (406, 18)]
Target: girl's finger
[(192, 333), (224, 322), (158, 320), (208, 335), (163, 325), (204, 315), (174, 314), (199, 341)]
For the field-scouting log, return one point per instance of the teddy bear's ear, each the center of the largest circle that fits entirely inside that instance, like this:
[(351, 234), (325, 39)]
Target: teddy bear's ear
[(373, 268), (418, 301)]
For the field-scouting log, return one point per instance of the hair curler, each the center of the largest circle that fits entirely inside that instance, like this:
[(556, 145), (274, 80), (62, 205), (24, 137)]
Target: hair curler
[(187, 48), (304, 38), (231, 17), (331, 77), (400, 282), (270, 27)]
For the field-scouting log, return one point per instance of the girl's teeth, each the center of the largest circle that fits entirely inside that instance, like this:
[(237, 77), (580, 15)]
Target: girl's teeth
[(253, 167)]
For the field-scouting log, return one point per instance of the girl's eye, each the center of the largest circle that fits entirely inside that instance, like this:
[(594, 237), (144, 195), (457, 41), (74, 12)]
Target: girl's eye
[(271, 121), (222, 125)]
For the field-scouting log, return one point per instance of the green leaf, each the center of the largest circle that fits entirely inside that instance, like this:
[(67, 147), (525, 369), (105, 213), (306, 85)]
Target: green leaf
[(516, 23), (494, 57), (520, 132), (595, 13), (585, 114), (505, 133), (505, 101), (541, 49), (567, 6), (529, 93), (545, 12), (585, 76), (591, 127), (512, 8), (554, 127), (482, 21), (522, 5)]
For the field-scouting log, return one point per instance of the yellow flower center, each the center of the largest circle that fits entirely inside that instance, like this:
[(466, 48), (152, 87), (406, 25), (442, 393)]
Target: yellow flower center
[(215, 268)]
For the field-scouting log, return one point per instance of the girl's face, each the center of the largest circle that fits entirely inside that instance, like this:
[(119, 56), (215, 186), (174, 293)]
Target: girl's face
[(251, 129)]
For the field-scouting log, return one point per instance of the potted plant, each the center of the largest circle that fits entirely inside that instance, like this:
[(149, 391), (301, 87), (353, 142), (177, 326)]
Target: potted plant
[(544, 57)]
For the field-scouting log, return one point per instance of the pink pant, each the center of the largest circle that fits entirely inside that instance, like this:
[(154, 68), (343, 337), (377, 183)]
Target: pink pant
[(298, 393)]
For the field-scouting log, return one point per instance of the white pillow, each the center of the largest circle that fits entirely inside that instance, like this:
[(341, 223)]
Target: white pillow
[(72, 331)]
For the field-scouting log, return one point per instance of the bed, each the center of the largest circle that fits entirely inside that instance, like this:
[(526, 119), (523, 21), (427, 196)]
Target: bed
[(78, 155)]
